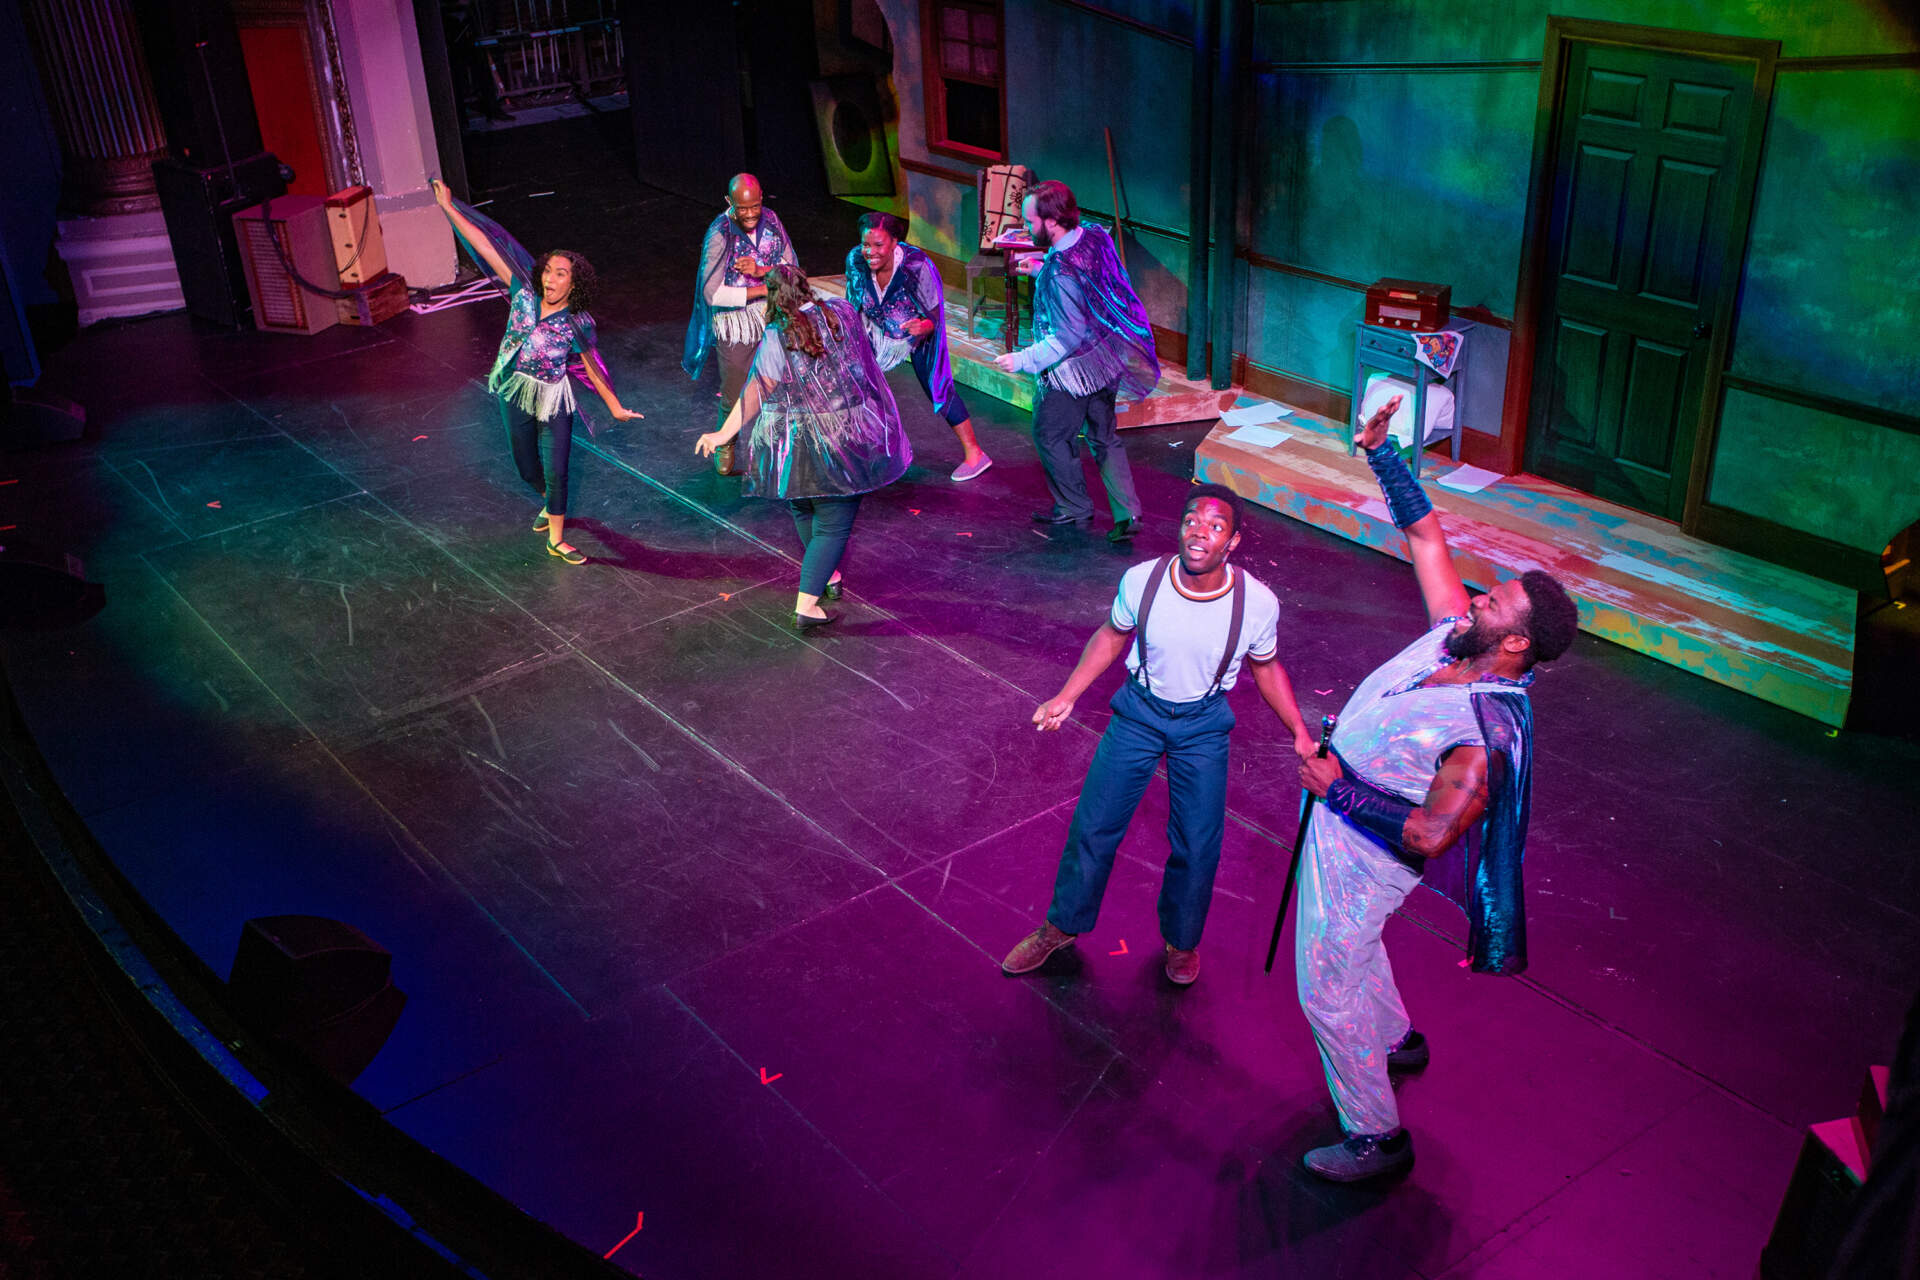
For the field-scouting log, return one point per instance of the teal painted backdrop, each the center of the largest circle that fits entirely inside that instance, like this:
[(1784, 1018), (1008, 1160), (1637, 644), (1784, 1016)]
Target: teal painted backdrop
[(1419, 168)]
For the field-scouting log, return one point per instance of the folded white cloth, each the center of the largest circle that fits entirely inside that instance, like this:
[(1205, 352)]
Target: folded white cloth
[(1383, 387)]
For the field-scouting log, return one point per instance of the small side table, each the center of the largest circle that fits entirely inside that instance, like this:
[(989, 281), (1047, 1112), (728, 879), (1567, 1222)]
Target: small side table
[(1392, 351), (1010, 251)]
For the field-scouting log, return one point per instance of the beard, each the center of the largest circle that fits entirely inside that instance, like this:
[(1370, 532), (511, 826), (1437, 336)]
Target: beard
[(1474, 641), (1042, 238)]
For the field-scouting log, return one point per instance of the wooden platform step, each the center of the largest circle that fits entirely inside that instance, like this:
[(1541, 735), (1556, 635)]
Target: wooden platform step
[(1779, 635)]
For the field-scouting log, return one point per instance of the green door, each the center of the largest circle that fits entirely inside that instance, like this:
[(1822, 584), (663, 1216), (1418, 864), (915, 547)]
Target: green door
[(1640, 245)]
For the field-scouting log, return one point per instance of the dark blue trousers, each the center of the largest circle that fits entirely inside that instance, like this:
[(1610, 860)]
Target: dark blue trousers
[(1192, 737), (825, 525), (523, 437)]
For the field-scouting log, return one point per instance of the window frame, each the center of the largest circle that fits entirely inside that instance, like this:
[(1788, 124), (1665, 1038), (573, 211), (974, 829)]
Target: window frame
[(934, 77)]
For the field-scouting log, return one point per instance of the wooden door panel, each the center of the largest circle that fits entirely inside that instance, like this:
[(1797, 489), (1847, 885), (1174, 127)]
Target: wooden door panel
[(1656, 375), (1596, 218), (1679, 224), (1698, 109), (1578, 378), (1639, 241), (1612, 96)]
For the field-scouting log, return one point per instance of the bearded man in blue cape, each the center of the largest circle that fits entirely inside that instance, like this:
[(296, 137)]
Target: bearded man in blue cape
[(1435, 745), (1092, 344)]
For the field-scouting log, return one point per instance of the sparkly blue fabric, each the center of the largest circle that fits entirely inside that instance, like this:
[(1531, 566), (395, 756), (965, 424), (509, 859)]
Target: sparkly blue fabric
[(914, 293), (821, 426), (538, 348), (725, 243), (542, 349), (1494, 896), (1407, 502), (1082, 296)]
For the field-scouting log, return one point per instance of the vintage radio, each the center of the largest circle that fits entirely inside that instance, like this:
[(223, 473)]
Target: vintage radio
[(1409, 304)]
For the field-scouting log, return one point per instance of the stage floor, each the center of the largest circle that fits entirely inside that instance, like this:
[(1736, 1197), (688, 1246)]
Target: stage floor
[(700, 920)]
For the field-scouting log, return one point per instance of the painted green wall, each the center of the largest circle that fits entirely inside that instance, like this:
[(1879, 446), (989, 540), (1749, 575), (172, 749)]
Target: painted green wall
[(1835, 477), (1421, 171)]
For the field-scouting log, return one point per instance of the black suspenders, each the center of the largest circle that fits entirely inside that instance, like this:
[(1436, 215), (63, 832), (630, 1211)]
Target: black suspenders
[(1239, 597)]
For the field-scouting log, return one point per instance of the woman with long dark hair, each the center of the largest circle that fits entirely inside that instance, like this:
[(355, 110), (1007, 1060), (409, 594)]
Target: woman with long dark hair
[(897, 289), (550, 334), (822, 428)]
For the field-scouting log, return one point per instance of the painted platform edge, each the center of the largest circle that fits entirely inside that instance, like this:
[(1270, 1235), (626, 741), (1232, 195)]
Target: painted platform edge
[(1817, 699)]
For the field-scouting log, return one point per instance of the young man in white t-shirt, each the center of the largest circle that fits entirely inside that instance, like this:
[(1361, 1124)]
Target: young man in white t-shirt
[(1172, 706)]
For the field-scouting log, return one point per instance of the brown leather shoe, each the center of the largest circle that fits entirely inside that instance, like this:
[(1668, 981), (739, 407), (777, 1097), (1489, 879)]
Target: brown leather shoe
[(723, 460), (1034, 949), (1182, 966)]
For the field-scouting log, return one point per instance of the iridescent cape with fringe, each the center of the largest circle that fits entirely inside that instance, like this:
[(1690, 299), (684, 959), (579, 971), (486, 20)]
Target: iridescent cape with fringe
[(521, 265)]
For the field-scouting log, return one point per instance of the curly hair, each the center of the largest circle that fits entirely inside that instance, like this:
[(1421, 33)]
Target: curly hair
[(788, 292), (1552, 617), (580, 296)]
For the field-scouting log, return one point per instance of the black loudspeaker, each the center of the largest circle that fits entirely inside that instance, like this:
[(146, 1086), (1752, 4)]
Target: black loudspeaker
[(41, 588), (199, 79), (853, 136), (199, 205), (319, 986)]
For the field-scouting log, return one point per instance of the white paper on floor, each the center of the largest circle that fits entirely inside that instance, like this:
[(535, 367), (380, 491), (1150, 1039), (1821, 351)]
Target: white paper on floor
[(1467, 478), (1253, 414), (1263, 437)]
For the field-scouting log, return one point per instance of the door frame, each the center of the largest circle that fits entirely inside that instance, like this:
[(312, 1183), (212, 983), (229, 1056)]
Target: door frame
[(1562, 34)]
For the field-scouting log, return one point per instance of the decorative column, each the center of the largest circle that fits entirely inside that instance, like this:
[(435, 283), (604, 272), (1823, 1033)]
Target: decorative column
[(101, 98)]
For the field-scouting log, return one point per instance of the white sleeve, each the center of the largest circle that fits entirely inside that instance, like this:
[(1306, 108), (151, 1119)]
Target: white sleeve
[(1126, 601), (1263, 632)]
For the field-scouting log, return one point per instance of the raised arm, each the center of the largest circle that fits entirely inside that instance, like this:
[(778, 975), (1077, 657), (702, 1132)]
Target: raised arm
[(1440, 584), (481, 245), (1102, 648)]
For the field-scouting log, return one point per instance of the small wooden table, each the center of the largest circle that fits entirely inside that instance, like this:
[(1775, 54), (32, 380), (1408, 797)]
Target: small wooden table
[(1009, 251)]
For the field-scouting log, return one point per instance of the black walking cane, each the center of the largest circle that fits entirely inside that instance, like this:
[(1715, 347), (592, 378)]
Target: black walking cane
[(1299, 842)]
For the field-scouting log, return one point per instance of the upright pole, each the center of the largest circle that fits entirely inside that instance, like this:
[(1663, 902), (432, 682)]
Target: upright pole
[(1199, 187), (1230, 58)]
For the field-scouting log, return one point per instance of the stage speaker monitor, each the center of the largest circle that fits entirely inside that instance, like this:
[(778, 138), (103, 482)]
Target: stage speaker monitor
[(199, 205), (853, 136), (319, 986), (290, 232), (199, 75), (41, 589), (359, 251)]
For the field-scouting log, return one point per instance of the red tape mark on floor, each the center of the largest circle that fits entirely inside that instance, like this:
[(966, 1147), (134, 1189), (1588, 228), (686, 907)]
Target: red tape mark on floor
[(1122, 951), (638, 1219), (214, 505), (769, 1079)]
